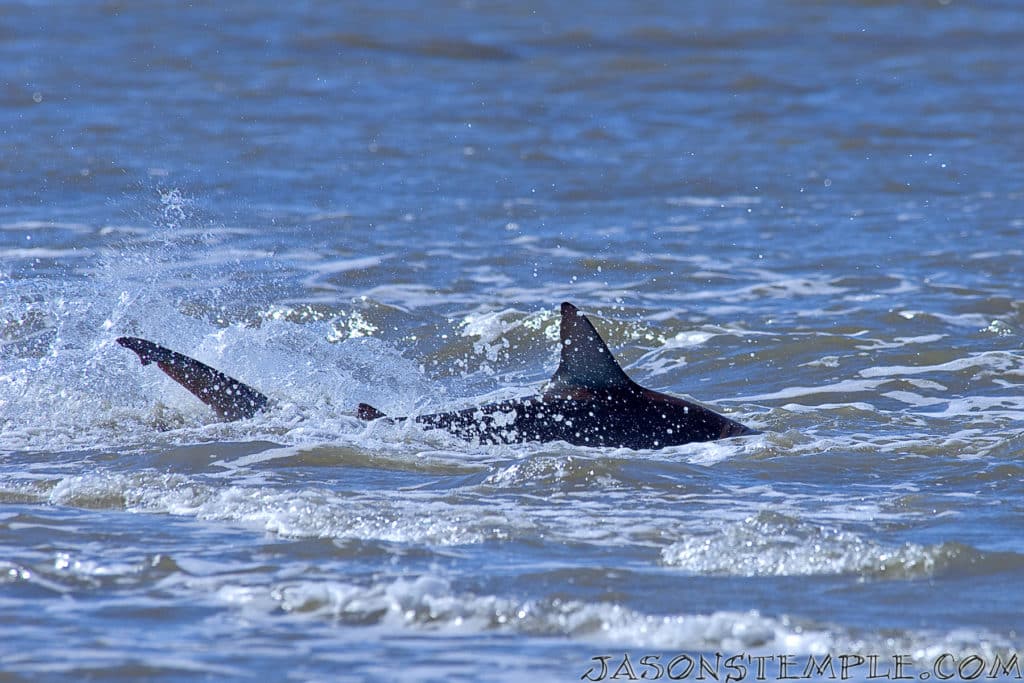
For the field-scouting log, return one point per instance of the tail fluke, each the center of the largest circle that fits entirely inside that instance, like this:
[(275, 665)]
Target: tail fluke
[(367, 412), (228, 397)]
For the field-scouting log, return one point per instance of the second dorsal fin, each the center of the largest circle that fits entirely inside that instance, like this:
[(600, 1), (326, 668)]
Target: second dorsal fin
[(586, 361)]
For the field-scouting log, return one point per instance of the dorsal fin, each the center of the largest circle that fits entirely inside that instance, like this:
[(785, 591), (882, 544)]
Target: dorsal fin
[(586, 361)]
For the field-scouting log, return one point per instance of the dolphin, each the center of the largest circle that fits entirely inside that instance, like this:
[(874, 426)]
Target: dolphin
[(228, 397), (589, 401)]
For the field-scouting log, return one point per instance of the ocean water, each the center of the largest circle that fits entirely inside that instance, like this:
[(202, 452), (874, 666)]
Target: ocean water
[(809, 216)]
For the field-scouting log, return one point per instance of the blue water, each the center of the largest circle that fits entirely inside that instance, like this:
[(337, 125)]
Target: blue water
[(808, 216)]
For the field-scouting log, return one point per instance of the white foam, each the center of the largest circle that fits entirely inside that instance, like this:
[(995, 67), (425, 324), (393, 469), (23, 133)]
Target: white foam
[(989, 407), (408, 517), (849, 386), (731, 201), (45, 225), (44, 253), (969, 320), (913, 399), (346, 265), (769, 544), (430, 604), (1000, 362)]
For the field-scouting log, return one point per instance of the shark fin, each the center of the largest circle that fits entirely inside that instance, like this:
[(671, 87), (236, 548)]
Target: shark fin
[(586, 362), (229, 398)]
